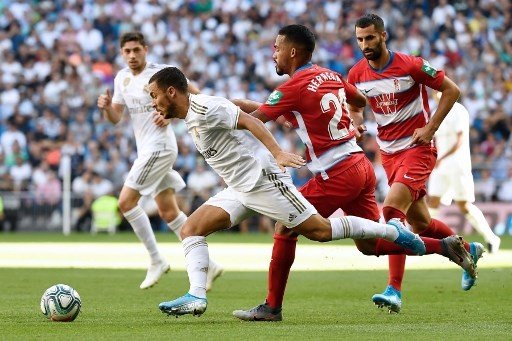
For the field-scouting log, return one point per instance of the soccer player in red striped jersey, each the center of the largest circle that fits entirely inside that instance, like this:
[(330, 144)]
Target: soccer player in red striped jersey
[(395, 86), (316, 101)]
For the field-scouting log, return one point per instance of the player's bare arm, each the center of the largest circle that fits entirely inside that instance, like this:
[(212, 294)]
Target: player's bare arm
[(450, 92), (247, 105), (258, 129), (111, 111)]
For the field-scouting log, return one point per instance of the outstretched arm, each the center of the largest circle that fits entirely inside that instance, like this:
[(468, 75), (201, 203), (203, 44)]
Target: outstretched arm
[(258, 129)]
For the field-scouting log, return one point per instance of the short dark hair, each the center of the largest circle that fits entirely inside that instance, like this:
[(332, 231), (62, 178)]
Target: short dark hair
[(132, 36), (299, 35), (369, 20), (170, 76)]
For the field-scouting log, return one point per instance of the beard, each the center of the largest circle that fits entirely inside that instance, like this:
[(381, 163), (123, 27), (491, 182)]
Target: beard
[(279, 71), (170, 112), (375, 53)]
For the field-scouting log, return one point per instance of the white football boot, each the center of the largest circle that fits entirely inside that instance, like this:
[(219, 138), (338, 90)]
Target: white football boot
[(155, 271)]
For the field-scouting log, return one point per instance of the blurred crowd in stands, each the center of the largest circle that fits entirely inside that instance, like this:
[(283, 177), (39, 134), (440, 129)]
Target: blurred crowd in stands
[(58, 56)]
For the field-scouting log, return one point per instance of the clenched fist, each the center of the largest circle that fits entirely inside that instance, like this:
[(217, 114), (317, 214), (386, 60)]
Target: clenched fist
[(105, 100)]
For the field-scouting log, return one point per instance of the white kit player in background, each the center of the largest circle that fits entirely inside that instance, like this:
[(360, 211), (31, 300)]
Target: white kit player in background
[(151, 173), (452, 177), (245, 154)]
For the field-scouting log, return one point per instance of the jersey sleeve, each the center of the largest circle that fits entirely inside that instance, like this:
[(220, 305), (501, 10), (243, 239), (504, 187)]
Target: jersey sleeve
[(424, 73), (222, 115), (117, 97), (350, 91), (280, 102)]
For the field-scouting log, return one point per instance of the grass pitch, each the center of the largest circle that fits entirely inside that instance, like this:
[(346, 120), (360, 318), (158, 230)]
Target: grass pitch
[(319, 305)]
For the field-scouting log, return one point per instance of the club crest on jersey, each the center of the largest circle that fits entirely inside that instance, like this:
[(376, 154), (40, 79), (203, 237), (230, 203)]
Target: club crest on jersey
[(274, 97), (428, 69), (396, 83), (126, 81)]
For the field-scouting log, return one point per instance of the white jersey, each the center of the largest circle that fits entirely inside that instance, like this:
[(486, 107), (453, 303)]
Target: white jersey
[(456, 122), (132, 91), (236, 155)]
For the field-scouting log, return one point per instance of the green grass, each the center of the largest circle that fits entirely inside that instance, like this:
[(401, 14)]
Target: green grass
[(319, 305), (224, 237)]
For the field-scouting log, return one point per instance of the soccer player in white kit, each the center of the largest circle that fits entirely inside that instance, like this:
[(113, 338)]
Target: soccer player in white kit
[(151, 172), (245, 154), (452, 177)]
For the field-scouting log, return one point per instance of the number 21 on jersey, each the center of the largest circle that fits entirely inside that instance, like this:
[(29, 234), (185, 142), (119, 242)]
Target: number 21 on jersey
[(340, 105)]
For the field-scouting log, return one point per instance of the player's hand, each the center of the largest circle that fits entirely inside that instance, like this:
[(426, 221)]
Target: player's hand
[(285, 159), (422, 135), (105, 100), (282, 121), (159, 120), (360, 130)]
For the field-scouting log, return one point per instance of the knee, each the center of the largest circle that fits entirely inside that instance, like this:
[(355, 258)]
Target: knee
[(126, 204), (284, 231)]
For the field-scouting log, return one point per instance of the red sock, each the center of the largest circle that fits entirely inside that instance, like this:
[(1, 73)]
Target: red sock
[(432, 245), (396, 262), (283, 255), (439, 230)]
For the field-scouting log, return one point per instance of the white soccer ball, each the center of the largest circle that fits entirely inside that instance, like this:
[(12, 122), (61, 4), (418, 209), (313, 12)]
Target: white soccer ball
[(61, 303)]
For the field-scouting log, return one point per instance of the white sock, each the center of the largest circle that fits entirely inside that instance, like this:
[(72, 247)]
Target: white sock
[(177, 224), (434, 212), (139, 221), (360, 228), (197, 259), (477, 220)]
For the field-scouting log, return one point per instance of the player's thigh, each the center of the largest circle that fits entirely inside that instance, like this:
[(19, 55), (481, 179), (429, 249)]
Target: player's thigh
[(438, 184), (231, 202), (463, 187), (205, 220), (151, 173), (276, 197)]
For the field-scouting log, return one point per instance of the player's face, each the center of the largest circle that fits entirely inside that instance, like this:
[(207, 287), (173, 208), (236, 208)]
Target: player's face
[(163, 101), (371, 42), (281, 55), (134, 54)]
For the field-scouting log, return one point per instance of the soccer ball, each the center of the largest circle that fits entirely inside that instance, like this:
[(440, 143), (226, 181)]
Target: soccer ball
[(61, 303)]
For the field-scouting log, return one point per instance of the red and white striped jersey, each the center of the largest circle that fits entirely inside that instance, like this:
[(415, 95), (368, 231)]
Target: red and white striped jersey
[(314, 100), (398, 97)]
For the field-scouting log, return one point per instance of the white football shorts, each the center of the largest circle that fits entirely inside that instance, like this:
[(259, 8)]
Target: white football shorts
[(451, 186), (274, 196), (152, 173)]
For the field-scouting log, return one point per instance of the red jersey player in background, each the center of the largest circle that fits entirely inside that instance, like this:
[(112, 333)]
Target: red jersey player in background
[(395, 85), (316, 102)]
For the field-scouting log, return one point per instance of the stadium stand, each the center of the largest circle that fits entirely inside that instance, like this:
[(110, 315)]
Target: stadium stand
[(58, 56)]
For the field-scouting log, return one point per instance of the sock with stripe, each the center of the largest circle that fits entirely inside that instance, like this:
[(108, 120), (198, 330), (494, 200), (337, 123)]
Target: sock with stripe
[(396, 263), (139, 221), (283, 255), (176, 225), (360, 228), (197, 260)]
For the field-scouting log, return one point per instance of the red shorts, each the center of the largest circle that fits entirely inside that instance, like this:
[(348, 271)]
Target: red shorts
[(412, 167), (352, 189)]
